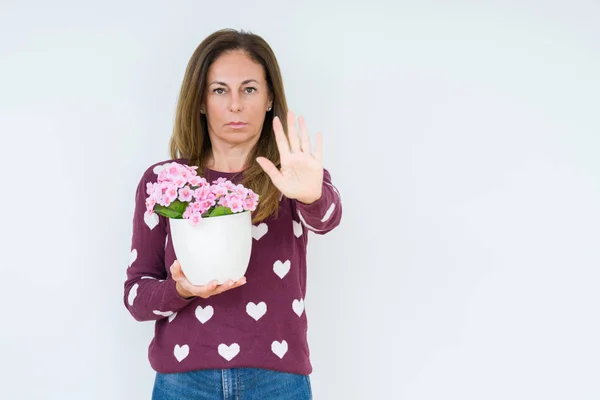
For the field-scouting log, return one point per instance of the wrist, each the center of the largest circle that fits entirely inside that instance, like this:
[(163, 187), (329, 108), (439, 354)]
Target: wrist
[(182, 292), (308, 200)]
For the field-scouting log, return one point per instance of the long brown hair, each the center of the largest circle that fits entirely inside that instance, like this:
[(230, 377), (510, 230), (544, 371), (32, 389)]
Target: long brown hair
[(190, 138)]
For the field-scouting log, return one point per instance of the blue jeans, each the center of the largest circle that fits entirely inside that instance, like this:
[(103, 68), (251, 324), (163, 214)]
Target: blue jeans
[(234, 384)]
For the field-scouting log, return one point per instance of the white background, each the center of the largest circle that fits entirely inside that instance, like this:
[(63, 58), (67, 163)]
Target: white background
[(465, 137)]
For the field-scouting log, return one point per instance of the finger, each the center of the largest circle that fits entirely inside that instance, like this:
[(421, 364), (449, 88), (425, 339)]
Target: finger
[(229, 285), (281, 139), (304, 138), (176, 272), (270, 169), (318, 154), (293, 133), (205, 291), (223, 287), (241, 281), (178, 276)]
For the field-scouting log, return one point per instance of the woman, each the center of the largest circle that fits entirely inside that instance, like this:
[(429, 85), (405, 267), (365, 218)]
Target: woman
[(244, 339)]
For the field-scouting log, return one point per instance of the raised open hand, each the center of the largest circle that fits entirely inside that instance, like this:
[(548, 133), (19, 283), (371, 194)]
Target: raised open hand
[(301, 173)]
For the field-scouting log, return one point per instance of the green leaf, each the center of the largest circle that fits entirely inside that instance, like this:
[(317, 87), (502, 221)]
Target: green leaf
[(168, 212), (175, 209), (220, 210), (178, 206)]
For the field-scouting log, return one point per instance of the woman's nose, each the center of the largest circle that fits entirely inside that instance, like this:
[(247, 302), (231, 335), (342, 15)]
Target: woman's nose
[(236, 103)]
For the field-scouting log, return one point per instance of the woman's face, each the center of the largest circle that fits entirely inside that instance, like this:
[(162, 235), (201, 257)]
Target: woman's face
[(236, 99)]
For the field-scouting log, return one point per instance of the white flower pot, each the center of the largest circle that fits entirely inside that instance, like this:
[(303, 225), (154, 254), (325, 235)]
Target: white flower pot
[(216, 248)]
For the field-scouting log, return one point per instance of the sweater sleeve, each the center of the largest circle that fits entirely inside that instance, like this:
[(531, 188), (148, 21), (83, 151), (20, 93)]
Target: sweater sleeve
[(149, 290), (325, 214)]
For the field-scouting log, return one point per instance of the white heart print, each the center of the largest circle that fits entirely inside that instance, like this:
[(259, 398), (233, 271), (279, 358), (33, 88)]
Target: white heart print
[(259, 231), (132, 294), (228, 352), (204, 314), (172, 316), (297, 228), (279, 348), (298, 306), (181, 352), (256, 311), (281, 268), (163, 313), (151, 220), (132, 257)]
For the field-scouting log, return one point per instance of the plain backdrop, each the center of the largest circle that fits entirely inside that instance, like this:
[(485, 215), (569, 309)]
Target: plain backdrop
[(464, 139)]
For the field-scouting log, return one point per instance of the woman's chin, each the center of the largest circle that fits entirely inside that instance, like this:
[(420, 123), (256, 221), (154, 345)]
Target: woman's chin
[(239, 138)]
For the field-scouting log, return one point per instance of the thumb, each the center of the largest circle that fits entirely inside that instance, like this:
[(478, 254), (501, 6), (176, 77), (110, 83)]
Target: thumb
[(176, 272), (270, 169)]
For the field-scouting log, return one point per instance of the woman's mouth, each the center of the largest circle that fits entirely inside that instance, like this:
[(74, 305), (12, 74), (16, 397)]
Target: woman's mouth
[(237, 124)]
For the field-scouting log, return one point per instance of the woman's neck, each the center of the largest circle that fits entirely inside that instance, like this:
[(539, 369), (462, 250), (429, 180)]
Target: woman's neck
[(225, 157), (233, 160)]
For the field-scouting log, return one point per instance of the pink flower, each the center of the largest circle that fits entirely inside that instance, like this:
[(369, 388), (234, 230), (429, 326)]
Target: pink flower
[(185, 194), (223, 182), (203, 193), (195, 218), (164, 176), (184, 173), (173, 172), (159, 189), (173, 168), (251, 202), (208, 203), (196, 180), (241, 190), (170, 195), (235, 202), (191, 169), (196, 206), (201, 206), (153, 189), (229, 185), (219, 190), (149, 188), (223, 201), (150, 203), (180, 181), (193, 209)]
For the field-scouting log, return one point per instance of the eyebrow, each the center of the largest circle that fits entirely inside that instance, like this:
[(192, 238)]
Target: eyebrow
[(224, 84)]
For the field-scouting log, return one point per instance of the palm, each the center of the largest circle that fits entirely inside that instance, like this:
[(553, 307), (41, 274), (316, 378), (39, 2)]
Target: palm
[(301, 173)]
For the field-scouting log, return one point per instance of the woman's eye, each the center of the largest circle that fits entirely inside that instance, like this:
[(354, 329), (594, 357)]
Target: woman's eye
[(248, 90)]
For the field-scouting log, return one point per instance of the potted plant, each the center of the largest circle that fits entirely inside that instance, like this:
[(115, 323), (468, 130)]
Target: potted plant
[(210, 222)]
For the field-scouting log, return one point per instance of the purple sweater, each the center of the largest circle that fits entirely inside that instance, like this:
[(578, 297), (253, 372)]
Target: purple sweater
[(260, 324)]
